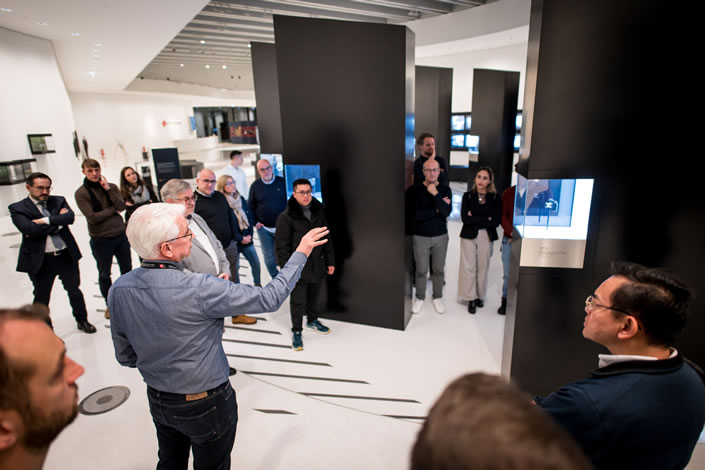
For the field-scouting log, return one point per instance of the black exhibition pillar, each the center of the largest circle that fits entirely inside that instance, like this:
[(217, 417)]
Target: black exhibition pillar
[(434, 90), (264, 71), (608, 97), (494, 109), (346, 92)]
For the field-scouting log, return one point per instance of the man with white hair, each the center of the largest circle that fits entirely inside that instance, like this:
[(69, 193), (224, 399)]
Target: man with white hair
[(169, 324)]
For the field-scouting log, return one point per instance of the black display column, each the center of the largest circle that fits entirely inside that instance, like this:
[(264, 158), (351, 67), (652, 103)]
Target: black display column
[(608, 97), (494, 110), (434, 90), (264, 71), (346, 93)]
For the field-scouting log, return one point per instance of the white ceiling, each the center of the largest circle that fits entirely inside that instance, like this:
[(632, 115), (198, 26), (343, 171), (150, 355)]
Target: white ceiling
[(121, 41)]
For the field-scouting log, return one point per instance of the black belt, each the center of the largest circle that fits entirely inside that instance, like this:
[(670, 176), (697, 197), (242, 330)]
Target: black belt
[(55, 253)]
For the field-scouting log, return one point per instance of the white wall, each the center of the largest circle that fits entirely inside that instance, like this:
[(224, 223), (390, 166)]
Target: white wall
[(122, 123), (34, 101), (511, 58)]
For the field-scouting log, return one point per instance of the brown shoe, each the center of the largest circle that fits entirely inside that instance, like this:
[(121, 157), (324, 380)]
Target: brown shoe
[(107, 313), (244, 320)]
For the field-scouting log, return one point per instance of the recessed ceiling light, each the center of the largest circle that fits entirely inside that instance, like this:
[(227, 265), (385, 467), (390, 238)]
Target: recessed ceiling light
[(43, 23), (225, 67), (75, 34), (202, 41), (249, 45), (208, 66), (97, 44), (181, 65), (6, 10)]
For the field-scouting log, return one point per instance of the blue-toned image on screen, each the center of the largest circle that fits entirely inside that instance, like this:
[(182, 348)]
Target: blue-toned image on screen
[(468, 122), (518, 121), (309, 172), (472, 142), (517, 143), (457, 123), (277, 162), (457, 141)]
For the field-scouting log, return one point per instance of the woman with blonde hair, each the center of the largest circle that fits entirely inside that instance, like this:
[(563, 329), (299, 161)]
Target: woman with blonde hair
[(480, 211), (245, 221)]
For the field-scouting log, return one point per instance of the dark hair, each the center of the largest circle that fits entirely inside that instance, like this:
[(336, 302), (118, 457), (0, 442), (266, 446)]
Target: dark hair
[(126, 187), (299, 182), (235, 153), (480, 422), (14, 374), (35, 176), (490, 187), (89, 163), (656, 298), (423, 136)]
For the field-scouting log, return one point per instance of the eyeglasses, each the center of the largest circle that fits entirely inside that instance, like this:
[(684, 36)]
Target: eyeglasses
[(41, 189), (431, 170), (187, 199), (590, 304), (265, 168), (188, 234), (230, 183), (208, 181), (303, 193)]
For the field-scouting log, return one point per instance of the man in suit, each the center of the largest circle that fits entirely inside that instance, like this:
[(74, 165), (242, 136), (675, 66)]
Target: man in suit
[(48, 247), (207, 254)]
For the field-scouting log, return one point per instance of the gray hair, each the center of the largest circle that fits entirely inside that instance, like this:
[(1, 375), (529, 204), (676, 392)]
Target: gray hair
[(173, 188), (151, 225)]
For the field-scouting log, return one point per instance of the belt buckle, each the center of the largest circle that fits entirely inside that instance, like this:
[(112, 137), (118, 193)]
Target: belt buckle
[(196, 396)]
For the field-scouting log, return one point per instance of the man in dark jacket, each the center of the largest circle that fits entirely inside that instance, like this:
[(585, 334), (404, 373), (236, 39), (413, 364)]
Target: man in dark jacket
[(304, 212), (48, 248), (645, 405)]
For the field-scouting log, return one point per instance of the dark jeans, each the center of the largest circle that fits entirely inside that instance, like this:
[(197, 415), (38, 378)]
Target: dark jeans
[(233, 256), (207, 426), (301, 302), (64, 267), (103, 250), (250, 254)]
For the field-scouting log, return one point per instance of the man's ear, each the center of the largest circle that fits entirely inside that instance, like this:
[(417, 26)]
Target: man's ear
[(10, 426), (630, 328)]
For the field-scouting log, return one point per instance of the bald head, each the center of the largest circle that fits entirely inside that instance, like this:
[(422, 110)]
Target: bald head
[(205, 181)]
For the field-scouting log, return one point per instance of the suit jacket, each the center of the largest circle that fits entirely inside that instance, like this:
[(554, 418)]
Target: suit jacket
[(199, 261), (35, 235)]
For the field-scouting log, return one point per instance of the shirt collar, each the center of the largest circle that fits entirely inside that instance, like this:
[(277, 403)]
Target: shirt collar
[(605, 360), (203, 194), (270, 181), (36, 202)]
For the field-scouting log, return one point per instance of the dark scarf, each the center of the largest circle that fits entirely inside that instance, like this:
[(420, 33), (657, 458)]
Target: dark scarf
[(91, 187)]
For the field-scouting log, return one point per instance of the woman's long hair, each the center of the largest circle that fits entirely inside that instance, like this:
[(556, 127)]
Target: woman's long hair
[(490, 187), (222, 181), (126, 187)]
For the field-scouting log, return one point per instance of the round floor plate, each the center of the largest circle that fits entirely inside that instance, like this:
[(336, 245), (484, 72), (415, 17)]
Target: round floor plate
[(104, 400)]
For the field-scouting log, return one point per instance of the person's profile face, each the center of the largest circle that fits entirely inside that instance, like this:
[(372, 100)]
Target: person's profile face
[(92, 173), (303, 194), (428, 146), (601, 323), (40, 189), (236, 160), (186, 199), (206, 182), (52, 389)]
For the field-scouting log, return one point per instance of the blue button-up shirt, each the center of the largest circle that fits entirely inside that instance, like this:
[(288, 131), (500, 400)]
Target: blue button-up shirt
[(169, 323)]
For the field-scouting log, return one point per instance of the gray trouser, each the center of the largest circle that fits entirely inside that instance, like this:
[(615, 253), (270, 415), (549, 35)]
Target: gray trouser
[(474, 266), (430, 251)]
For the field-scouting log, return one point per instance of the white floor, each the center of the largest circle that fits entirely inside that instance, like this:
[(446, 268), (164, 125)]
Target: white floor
[(384, 380)]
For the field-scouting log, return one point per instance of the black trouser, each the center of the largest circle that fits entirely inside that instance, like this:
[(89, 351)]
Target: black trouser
[(103, 250), (63, 266), (302, 301)]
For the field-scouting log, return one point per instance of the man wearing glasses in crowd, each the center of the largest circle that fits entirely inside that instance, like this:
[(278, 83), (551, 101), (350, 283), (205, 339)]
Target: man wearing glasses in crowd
[(48, 248), (215, 210), (169, 324), (267, 200), (644, 407)]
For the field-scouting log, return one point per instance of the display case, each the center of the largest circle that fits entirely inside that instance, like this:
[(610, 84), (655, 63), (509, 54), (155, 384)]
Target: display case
[(41, 144), (15, 172), (551, 216)]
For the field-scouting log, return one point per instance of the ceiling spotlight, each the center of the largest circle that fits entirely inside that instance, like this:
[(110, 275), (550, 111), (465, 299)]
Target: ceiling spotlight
[(43, 23), (202, 41), (208, 66), (249, 45), (6, 10), (225, 67), (181, 65), (75, 34), (97, 44)]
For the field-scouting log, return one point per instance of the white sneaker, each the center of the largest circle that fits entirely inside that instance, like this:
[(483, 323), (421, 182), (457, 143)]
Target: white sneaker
[(417, 306), (438, 305)]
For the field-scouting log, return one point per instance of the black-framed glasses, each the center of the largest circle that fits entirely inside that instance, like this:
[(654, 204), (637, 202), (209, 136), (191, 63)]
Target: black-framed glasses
[(590, 304), (431, 170), (187, 199), (208, 181), (41, 189), (188, 234), (303, 193)]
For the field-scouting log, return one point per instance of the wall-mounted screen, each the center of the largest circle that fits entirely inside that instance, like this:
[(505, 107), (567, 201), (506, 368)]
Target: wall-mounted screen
[(41, 143), (310, 172), (518, 121), (472, 143), (517, 142), (468, 122), (457, 141), (457, 122)]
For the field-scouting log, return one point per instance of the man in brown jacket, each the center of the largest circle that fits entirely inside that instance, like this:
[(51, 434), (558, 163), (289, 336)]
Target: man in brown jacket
[(102, 203)]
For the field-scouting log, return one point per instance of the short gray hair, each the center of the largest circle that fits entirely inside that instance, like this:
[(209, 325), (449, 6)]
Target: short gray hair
[(173, 188), (151, 225)]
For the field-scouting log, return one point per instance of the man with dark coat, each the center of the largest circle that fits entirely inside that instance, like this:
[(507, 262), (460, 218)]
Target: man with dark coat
[(48, 248), (304, 212)]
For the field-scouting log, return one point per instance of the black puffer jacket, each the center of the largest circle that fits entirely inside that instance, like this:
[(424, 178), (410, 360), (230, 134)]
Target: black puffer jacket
[(292, 225)]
